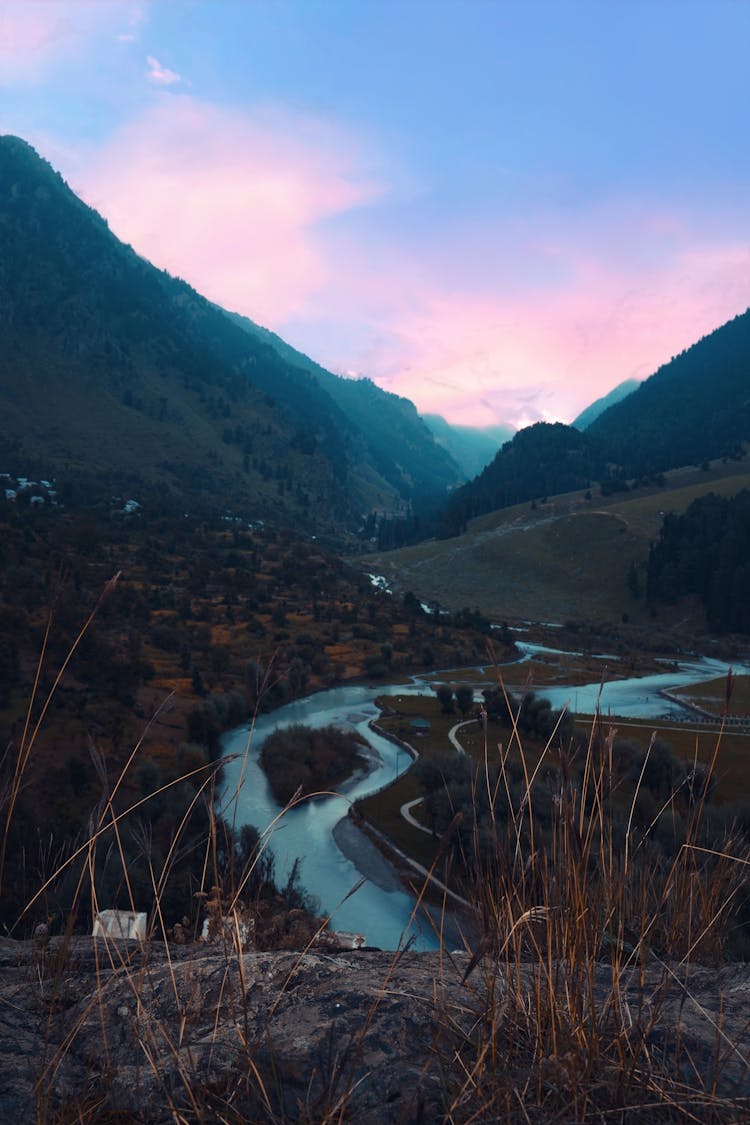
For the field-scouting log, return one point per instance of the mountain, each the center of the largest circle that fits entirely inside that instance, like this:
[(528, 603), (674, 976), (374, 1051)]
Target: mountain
[(470, 447), (541, 460), (592, 412), (695, 408), (692, 410), (401, 444), (114, 371)]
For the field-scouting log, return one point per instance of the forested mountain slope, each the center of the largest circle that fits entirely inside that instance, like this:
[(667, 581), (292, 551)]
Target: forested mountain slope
[(705, 552), (112, 368), (540, 460), (592, 412), (694, 408), (401, 446)]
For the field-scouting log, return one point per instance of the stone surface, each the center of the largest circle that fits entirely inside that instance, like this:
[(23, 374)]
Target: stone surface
[(138, 1030)]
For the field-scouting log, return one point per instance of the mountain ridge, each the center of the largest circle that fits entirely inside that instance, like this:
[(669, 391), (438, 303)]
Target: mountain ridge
[(599, 405), (112, 368), (691, 410), (380, 415), (472, 447)]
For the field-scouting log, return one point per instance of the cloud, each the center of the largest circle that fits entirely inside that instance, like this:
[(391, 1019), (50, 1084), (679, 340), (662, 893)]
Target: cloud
[(544, 353), (279, 215), (161, 75), (233, 202), (35, 35), (554, 313), (136, 17)]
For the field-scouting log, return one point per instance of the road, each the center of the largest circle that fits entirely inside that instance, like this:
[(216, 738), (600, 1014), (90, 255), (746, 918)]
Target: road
[(409, 805)]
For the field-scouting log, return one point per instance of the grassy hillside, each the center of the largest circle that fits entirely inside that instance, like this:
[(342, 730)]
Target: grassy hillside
[(569, 557)]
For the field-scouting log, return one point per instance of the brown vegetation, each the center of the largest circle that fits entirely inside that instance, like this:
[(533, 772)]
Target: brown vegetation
[(209, 621), (584, 996)]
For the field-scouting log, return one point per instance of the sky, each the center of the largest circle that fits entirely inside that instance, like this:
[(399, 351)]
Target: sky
[(498, 208)]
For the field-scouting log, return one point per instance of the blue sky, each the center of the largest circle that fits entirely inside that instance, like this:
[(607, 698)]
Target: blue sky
[(499, 209)]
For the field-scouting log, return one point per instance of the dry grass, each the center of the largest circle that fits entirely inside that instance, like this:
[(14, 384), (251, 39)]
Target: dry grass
[(583, 932), (711, 695)]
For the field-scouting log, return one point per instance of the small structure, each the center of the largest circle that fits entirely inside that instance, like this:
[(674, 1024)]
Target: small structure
[(340, 939), (420, 727), (120, 924)]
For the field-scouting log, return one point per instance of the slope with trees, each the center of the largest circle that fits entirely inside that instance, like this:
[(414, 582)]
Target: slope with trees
[(592, 412), (541, 460), (401, 444), (705, 552), (695, 408), (113, 367)]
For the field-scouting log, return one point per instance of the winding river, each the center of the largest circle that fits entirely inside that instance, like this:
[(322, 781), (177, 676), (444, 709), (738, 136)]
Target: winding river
[(306, 832)]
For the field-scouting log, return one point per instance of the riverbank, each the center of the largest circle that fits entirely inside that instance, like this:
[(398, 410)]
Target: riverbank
[(360, 850), (306, 832), (454, 931)]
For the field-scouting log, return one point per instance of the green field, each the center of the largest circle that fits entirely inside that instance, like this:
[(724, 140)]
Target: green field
[(712, 695), (566, 558), (689, 741)]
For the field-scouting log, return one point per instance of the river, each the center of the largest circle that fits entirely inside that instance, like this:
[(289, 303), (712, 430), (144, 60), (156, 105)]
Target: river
[(306, 832), (634, 698)]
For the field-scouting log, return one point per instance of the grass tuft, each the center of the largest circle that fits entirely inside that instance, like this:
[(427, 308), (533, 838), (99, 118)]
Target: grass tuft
[(590, 940)]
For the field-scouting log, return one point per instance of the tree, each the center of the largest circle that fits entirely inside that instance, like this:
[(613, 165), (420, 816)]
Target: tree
[(464, 698), (445, 696)]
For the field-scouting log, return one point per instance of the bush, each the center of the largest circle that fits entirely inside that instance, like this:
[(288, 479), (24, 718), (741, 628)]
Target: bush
[(307, 759)]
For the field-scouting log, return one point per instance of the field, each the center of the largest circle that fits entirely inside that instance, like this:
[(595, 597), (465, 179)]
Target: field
[(690, 741), (565, 558), (711, 695)]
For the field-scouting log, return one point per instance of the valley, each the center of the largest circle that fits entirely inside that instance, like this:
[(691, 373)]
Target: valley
[(562, 558), (226, 712), (413, 716), (374, 563)]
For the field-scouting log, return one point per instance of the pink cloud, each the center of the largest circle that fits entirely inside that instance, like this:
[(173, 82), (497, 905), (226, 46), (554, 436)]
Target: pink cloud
[(545, 354), (161, 75), (513, 321), (230, 201), (550, 316)]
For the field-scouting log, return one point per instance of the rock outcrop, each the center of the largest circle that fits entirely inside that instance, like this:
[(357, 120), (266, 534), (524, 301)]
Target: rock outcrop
[(91, 1029)]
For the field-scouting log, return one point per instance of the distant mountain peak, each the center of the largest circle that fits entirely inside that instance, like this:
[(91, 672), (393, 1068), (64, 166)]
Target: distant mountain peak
[(617, 394)]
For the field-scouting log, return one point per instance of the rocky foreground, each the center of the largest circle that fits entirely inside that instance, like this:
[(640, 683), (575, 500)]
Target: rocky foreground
[(93, 1030)]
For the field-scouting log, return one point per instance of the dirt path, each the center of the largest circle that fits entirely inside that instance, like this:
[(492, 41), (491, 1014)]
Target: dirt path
[(409, 805)]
